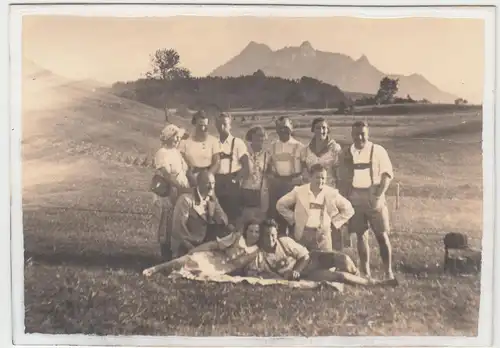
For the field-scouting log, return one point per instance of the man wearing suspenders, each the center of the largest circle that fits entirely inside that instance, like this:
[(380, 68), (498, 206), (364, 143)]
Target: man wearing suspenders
[(285, 168), (233, 168), (365, 174)]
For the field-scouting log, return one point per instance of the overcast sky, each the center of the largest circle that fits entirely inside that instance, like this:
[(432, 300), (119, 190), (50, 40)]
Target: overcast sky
[(448, 52)]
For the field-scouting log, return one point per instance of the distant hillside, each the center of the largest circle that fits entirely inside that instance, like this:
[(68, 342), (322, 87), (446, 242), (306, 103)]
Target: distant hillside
[(254, 91), (69, 126), (356, 76)]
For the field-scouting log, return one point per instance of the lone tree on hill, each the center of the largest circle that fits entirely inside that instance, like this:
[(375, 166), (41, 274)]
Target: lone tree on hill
[(259, 73), (387, 90), (165, 66)]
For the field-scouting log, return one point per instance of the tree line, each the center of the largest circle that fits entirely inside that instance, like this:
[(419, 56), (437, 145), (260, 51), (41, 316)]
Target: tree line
[(168, 84)]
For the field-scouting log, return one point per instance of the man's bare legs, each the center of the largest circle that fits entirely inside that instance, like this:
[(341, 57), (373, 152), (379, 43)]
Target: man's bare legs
[(385, 253), (364, 253), (342, 262)]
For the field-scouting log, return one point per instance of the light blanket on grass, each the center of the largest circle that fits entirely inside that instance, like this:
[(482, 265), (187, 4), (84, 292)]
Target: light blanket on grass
[(224, 278)]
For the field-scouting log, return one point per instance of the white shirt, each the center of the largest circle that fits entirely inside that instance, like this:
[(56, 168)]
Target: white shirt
[(314, 220), (173, 162), (239, 150), (199, 154), (286, 156), (201, 208), (381, 164)]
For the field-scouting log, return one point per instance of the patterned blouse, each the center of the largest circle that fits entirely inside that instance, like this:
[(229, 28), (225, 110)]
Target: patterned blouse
[(259, 163), (257, 180), (329, 158)]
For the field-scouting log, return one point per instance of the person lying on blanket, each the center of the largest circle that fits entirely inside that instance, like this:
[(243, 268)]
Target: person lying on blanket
[(282, 257), (225, 255)]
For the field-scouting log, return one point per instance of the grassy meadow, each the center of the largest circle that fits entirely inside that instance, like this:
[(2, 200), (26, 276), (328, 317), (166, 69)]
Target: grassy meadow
[(88, 232)]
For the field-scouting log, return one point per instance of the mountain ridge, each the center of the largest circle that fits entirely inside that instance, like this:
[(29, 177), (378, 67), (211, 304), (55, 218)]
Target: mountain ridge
[(338, 69)]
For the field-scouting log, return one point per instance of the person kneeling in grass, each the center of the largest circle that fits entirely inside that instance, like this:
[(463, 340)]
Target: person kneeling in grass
[(282, 257), (225, 255)]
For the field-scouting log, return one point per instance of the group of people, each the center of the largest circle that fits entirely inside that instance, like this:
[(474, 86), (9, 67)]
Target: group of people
[(236, 205)]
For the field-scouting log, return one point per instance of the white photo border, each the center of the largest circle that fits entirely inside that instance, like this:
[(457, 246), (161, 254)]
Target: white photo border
[(11, 245)]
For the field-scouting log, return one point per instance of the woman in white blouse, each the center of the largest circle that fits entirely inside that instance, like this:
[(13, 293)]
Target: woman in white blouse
[(201, 150), (171, 165)]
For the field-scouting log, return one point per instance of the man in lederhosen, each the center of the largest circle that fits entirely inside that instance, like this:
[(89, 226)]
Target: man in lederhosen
[(233, 168), (198, 217), (365, 174), (285, 169)]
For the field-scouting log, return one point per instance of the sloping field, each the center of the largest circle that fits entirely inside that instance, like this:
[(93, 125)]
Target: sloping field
[(66, 124), (88, 234)]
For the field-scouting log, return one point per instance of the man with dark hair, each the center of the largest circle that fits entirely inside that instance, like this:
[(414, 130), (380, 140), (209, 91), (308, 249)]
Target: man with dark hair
[(314, 210), (233, 168), (285, 167), (198, 217), (364, 176)]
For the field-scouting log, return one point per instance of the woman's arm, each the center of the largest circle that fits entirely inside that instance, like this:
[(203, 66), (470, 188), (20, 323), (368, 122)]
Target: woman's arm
[(215, 163), (245, 168), (299, 267), (170, 178)]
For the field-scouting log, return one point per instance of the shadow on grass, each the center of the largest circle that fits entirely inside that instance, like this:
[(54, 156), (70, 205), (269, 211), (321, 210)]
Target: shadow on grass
[(419, 270), (121, 261)]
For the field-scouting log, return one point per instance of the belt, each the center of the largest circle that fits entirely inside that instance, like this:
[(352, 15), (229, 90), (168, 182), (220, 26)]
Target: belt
[(227, 174), (287, 177), (307, 228), (199, 169), (365, 188)]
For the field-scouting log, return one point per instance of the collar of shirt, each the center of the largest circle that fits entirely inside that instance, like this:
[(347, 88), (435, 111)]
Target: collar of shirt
[(200, 198), (228, 140), (331, 143), (254, 154), (354, 150), (292, 140), (314, 198)]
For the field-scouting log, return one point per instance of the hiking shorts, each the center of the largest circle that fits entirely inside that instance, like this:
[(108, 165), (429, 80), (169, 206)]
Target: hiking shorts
[(365, 216), (324, 260)]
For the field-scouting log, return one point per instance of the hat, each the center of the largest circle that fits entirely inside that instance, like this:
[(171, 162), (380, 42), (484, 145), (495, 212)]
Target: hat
[(171, 130)]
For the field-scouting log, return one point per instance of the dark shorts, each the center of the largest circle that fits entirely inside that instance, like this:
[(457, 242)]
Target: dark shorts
[(280, 186), (365, 216), (229, 199), (321, 260)]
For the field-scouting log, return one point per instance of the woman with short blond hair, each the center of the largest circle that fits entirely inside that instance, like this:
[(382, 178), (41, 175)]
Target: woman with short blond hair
[(170, 165)]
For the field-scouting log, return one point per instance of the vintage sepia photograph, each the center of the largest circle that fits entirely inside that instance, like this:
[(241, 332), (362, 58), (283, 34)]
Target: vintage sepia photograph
[(253, 175)]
